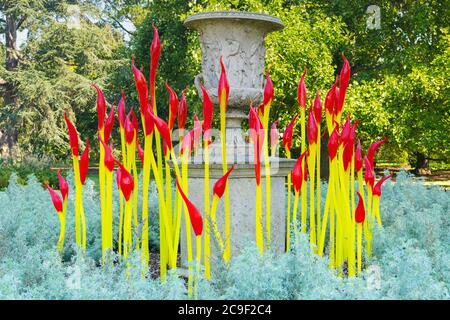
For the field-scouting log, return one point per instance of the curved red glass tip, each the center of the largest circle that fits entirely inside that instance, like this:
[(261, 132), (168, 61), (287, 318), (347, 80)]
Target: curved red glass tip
[(173, 106), (268, 89), (108, 159), (194, 214), (368, 174), (330, 99), (73, 136), (188, 143), (129, 129), (352, 135), (347, 156), (223, 86), (373, 149), (197, 131), (254, 121), (155, 53), (257, 134), (141, 86), (163, 129), (288, 132), (134, 120), (182, 111), (344, 79), (57, 202), (126, 181), (274, 134), (312, 128), (333, 143), (301, 91), (337, 110), (360, 212), (221, 183), (109, 124), (148, 122), (140, 152), (121, 110), (63, 186), (377, 187), (358, 157), (318, 108), (84, 163), (345, 133), (101, 107), (305, 167), (297, 173), (207, 114)]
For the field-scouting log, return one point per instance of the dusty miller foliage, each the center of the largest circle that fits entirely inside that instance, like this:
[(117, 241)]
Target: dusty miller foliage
[(411, 255)]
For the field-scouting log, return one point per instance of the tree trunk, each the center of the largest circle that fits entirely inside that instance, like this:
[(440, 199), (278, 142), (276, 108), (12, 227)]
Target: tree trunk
[(9, 134), (324, 159), (11, 43), (421, 166)]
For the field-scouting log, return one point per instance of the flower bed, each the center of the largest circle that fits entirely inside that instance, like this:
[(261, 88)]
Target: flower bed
[(410, 258)]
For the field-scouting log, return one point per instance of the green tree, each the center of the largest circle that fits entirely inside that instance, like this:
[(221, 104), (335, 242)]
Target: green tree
[(67, 48), (399, 86), (401, 70), (419, 103), (176, 65), (15, 15)]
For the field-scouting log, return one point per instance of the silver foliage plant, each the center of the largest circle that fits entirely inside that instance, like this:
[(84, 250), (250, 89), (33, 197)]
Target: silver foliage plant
[(411, 255)]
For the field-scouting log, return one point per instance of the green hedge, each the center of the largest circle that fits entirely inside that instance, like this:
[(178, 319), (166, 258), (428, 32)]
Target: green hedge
[(44, 173)]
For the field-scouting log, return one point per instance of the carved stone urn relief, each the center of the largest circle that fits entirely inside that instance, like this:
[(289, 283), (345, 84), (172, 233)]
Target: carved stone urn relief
[(239, 38)]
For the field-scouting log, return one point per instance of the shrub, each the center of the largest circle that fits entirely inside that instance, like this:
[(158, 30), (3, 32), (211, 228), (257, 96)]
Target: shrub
[(410, 260), (41, 171)]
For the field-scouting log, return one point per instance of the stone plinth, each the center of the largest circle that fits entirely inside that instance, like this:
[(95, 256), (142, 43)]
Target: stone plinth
[(242, 188)]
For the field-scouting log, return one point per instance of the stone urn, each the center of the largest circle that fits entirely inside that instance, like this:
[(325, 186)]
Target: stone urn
[(239, 38)]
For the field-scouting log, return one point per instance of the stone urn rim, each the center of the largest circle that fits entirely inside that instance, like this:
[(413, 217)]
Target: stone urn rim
[(271, 22)]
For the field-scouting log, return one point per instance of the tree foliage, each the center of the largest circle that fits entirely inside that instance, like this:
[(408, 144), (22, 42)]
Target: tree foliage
[(59, 61), (399, 84), (401, 75)]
